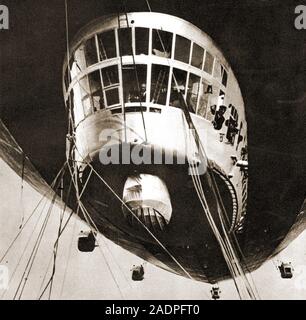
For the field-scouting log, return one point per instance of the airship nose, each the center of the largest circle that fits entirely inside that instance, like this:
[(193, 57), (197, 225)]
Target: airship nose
[(148, 200)]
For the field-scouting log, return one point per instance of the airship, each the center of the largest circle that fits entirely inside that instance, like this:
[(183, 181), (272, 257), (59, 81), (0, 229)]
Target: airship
[(161, 157), (158, 144)]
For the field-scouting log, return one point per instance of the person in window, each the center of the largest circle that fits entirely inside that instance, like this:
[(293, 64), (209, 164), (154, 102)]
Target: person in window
[(143, 92), (136, 95)]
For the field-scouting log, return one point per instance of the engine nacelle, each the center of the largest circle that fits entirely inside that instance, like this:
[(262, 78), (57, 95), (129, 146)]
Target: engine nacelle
[(148, 198)]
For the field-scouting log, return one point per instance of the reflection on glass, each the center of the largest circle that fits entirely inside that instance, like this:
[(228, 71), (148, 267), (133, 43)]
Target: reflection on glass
[(193, 91), (79, 62), (182, 49), (91, 52), (125, 41), (84, 86), (161, 43), (96, 90), (86, 96), (218, 70), (107, 45), (205, 94), (134, 84), (110, 76), (178, 87), (159, 84), (197, 56), (87, 105), (77, 103), (213, 103), (142, 40), (209, 62)]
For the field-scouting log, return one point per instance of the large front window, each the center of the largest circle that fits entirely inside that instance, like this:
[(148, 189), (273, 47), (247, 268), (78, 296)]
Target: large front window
[(159, 84), (111, 85), (107, 45), (134, 83), (104, 75)]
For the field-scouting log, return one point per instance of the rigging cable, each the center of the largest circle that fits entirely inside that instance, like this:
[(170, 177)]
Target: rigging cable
[(226, 245), (136, 217), (21, 191), (134, 67), (69, 255), (29, 265), (31, 215), (25, 249), (34, 252), (75, 183), (56, 244)]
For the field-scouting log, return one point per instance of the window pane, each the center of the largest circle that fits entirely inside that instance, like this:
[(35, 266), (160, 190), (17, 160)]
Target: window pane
[(159, 85), (205, 93), (218, 70), (79, 62), (213, 103), (224, 78), (110, 76), (142, 40), (87, 106), (182, 49), (162, 43), (178, 87), (96, 90), (91, 52), (107, 45), (86, 95), (197, 56), (77, 104), (193, 91), (221, 98), (67, 79), (134, 91), (84, 85), (125, 41), (112, 96), (209, 62)]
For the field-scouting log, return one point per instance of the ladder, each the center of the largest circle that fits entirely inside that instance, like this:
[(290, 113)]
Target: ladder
[(103, 54), (123, 19), (159, 85)]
